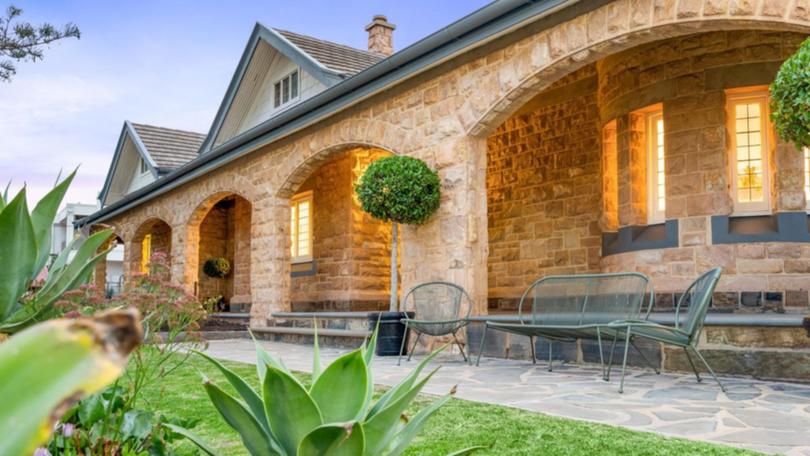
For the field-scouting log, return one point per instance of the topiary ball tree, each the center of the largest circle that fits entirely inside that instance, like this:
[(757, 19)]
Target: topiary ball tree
[(790, 98), (399, 190)]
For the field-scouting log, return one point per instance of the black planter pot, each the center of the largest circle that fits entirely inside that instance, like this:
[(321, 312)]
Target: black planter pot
[(392, 330)]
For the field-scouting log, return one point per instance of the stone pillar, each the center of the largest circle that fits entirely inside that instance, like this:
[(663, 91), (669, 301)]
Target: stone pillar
[(610, 179), (184, 256), (452, 245), (270, 269), (241, 218)]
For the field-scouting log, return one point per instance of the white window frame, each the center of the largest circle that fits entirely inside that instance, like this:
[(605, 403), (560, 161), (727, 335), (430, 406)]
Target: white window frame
[(278, 89), (144, 168), (294, 225), (747, 95), (654, 213)]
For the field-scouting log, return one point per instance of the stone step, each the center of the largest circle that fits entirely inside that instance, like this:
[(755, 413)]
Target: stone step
[(226, 321), (342, 338), (345, 321)]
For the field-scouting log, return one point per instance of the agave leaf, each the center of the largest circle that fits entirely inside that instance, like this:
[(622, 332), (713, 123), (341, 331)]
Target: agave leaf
[(372, 343), (404, 385), (316, 352), (381, 427), (42, 219), (48, 367), (66, 278), (291, 412), (405, 436), (334, 440), (194, 438), (340, 391), (256, 440), (62, 258), (250, 396), (264, 359), (18, 251)]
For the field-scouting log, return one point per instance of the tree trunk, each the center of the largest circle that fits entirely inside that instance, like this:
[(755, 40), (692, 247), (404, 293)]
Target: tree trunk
[(393, 304)]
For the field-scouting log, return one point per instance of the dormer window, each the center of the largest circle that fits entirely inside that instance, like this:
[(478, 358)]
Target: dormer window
[(285, 89), (144, 167)]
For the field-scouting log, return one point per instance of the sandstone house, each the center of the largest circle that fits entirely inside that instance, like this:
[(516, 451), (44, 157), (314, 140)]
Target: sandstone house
[(570, 137)]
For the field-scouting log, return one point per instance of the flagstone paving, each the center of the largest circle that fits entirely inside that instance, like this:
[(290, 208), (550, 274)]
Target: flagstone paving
[(771, 417)]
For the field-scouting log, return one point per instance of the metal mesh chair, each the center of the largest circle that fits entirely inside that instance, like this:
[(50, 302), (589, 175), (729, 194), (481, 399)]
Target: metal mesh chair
[(688, 325), (439, 308), (567, 308)]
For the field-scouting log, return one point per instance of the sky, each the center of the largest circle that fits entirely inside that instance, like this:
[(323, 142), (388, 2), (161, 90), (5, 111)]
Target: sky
[(164, 63)]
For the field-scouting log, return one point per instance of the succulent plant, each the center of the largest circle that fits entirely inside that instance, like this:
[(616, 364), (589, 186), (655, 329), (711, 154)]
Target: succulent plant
[(334, 416)]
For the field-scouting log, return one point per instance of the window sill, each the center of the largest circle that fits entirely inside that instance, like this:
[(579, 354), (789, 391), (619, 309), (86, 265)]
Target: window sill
[(641, 237), (303, 268), (779, 227)]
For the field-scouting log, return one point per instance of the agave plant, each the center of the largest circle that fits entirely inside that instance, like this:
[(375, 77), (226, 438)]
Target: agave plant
[(334, 416), (25, 244), (49, 366)]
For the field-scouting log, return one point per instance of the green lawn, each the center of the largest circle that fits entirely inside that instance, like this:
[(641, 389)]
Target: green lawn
[(459, 424)]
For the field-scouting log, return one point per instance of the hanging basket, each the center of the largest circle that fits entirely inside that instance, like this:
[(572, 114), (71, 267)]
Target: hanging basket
[(217, 267)]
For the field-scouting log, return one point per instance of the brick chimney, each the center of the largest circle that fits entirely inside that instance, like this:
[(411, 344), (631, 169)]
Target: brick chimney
[(380, 36)]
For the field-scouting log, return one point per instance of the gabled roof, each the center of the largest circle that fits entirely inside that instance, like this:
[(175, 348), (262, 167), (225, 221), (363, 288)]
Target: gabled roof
[(328, 62), (169, 148), (162, 149), (338, 57)]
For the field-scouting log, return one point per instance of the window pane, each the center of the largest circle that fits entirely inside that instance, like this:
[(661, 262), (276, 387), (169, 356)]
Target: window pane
[(749, 154), (294, 84), (285, 89), (277, 98)]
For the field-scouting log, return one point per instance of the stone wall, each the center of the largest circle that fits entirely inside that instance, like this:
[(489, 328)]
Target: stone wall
[(544, 190), (350, 250)]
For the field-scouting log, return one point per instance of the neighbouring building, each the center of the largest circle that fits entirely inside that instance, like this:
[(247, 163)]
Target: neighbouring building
[(570, 137)]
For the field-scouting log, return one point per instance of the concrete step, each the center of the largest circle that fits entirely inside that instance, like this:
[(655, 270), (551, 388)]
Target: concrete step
[(342, 338), (226, 321), (344, 321)]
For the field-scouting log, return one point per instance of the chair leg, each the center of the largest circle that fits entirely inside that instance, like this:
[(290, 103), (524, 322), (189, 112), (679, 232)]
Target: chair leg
[(610, 360), (550, 354), (463, 355), (644, 357), (692, 363), (534, 354), (481, 347), (410, 352), (601, 355), (722, 388), (402, 345), (624, 362)]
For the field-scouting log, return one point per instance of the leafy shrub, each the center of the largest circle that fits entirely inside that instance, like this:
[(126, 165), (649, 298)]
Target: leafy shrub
[(217, 267), (790, 98), (399, 189), (334, 416)]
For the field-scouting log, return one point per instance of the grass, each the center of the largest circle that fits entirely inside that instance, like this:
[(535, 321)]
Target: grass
[(457, 425)]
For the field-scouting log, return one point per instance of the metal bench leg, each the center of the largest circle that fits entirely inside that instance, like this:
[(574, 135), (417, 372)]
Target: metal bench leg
[(481, 348), (610, 360), (601, 356), (722, 388), (402, 345), (410, 352), (644, 357), (692, 363), (460, 348), (550, 353), (624, 362), (534, 354)]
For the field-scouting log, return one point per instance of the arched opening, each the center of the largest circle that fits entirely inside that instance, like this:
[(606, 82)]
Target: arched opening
[(626, 162), (222, 226), (108, 276), (152, 237), (339, 256)]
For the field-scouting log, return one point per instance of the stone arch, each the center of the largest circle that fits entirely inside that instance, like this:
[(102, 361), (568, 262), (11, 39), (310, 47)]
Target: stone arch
[(108, 273), (302, 169), (540, 60), (220, 225), (159, 233)]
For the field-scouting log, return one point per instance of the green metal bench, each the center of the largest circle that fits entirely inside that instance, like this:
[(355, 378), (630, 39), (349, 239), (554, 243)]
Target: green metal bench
[(439, 308), (686, 332), (567, 308)]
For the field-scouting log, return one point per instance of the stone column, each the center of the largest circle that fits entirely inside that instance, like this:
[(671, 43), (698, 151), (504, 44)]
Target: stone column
[(184, 250), (632, 170), (270, 262), (452, 245), (241, 218)]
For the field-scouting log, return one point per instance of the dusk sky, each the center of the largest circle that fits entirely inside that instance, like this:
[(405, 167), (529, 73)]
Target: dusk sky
[(163, 63)]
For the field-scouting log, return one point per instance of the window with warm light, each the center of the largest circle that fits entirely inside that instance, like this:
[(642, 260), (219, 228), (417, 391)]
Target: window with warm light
[(301, 227), (146, 253), (749, 141), (656, 179)]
